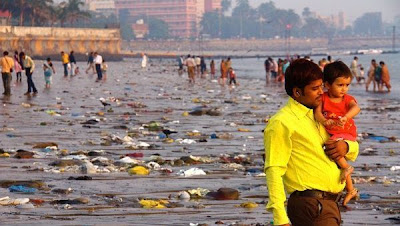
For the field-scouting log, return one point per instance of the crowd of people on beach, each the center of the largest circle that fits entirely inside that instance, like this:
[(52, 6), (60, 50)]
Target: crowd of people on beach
[(21, 62), (378, 74), (196, 67)]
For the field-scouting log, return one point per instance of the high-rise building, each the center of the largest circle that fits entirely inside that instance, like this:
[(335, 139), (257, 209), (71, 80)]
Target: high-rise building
[(212, 5), (106, 7), (182, 16)]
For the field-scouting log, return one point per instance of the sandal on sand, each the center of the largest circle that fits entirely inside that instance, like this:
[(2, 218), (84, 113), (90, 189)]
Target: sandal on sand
[(345, 173), (349, 196)]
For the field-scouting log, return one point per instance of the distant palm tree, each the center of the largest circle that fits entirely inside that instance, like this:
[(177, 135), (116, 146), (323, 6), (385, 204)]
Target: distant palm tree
[(71, 12), (40, 11)]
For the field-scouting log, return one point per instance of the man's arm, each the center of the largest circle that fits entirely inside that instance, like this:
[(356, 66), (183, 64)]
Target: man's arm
[(278, 148), (339, 149)]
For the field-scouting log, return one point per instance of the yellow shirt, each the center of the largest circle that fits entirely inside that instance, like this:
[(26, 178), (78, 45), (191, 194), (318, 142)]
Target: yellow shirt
[(6, 64), (295, 158), (65, 58), (28, 63)]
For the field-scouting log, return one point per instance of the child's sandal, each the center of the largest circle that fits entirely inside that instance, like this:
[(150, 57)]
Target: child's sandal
[(350, 195)]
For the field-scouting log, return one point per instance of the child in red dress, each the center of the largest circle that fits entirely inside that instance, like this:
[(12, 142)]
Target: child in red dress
[(336, 113)]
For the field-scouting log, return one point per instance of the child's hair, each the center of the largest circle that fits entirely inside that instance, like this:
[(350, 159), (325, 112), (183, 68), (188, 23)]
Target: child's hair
[(335, 70), (48, 59), (361, 68)]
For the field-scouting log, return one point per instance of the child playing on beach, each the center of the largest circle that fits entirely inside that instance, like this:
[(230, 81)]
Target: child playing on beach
[(232, 76), (104, 68), (77, 72), (336, 112), (48, 71)]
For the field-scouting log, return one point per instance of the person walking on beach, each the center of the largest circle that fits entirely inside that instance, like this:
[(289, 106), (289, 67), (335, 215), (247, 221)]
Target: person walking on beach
[(223, 70), (17, 66), (191, 68), (298, 154), (180, 65), (197, 60), (354, 68), (72, 62), (65, 62), (336, 113), (90, 62), (98, 60), (29, 65), (232, 76), (385, 77), (378, 77), (203, 66), (104, 68), (268, 65), (274, 71), (144, 60), (7, 64), (371, 76), (212, 69), (48, 70)]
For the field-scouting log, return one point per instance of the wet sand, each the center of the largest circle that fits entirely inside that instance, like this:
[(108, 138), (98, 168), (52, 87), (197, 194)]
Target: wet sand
[(160, 94)]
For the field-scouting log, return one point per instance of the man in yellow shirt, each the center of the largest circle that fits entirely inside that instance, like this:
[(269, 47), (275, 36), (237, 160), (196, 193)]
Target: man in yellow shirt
[(298, 155), (6, 64), (65, 62)]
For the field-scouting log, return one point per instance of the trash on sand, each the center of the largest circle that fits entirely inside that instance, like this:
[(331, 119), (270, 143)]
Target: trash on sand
[(138, 170), (248, 205), (153, 204), (22, 189), (191, 172)]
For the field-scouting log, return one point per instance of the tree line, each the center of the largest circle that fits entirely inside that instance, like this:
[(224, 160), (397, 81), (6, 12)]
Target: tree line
[(268, 21), (44, 12)]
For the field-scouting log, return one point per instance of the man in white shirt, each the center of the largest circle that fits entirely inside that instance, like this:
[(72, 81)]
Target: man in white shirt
[(98, 60)]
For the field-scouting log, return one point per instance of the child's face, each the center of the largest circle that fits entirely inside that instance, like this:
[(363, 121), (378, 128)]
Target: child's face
[(339, 87)]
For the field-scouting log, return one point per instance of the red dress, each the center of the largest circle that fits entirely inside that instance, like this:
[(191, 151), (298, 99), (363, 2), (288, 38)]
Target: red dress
[(335, 111)]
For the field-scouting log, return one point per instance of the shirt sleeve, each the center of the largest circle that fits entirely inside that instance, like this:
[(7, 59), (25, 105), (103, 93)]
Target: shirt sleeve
[(278, 148), (33, 64), (353, 150)]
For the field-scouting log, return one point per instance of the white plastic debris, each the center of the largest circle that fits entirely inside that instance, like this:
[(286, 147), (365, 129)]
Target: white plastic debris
[(88, 168), (183, 195), (127, 160), (186, 141), (191, 172), (75, 157), (394, 168)]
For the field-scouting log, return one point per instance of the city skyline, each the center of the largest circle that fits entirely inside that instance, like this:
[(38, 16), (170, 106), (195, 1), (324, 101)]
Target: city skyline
[(352, 9)]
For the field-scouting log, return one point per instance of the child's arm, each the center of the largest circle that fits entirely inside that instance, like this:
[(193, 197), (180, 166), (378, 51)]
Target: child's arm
[(320, 118), (354, 109)]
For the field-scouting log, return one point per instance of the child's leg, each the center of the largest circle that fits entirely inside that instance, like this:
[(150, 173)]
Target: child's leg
[(351, 191), (346, 169)]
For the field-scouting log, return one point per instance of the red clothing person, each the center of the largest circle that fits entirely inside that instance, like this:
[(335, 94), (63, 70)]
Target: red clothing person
[(335, 111)]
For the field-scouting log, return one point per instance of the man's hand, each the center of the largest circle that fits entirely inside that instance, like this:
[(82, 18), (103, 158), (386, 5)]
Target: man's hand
[(336, 149)]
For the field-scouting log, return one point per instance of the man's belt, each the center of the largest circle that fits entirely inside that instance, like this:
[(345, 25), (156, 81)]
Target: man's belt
[(319, 195)]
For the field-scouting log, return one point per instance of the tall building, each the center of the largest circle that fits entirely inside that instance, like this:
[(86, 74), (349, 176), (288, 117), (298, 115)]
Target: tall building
[(212, 5), (182, 16), (106, 7)]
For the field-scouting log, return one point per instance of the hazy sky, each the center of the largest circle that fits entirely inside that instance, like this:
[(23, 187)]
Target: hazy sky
[(351, 8)]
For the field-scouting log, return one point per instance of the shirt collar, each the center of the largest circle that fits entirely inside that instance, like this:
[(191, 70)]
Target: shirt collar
[(299, 110)]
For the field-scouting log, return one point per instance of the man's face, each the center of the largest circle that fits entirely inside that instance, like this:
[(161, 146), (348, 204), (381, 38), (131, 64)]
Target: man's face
[(311, 96)]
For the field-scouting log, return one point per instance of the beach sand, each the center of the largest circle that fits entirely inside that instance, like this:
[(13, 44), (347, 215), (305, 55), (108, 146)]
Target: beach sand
[(159, 94)]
